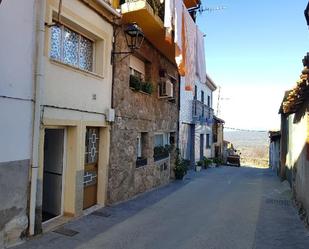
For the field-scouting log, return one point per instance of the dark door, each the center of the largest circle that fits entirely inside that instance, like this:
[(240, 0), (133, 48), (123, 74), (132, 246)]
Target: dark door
[(201, 146), (52, 176)]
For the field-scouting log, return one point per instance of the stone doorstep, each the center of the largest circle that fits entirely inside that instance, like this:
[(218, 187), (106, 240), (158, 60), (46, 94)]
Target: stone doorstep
[(59, 221)]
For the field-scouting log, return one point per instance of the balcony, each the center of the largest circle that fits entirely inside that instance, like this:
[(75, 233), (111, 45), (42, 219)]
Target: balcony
[(149, 15), (201, 113), (191, 3)]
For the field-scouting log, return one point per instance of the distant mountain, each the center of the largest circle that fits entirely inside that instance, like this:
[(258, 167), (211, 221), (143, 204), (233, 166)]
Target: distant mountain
[(253, 146)]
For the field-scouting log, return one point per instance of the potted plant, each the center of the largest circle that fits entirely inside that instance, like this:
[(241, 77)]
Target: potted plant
[(207, 162), (199, 166), (217, 161), (180, 169)]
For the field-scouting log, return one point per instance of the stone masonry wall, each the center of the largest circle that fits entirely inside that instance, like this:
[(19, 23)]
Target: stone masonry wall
[(138, 112)]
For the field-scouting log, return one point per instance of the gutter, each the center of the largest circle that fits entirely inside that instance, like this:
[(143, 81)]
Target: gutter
[(210, 83), (109, 8), (38, 88)]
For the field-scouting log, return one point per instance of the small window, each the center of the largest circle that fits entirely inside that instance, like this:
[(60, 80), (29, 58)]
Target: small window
[(208, 100), (141, 149), (159, 140), (202, 97), (137, 67), (71, 48), (161, 146), (195, 92)]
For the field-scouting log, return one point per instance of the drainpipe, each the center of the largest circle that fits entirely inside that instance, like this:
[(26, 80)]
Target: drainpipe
[(109, 8), (39, 85)]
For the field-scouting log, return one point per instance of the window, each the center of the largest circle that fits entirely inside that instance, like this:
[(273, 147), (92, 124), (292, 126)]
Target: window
[(161, 150), (91, 145), (71, 48), (207, 141), (208, 101), (202, 97), (141, 149), (195, 92), (162, 139), (137, 67)]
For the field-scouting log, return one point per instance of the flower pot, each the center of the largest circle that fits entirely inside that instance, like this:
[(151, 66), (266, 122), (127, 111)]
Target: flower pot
[(198, 168), (179, 175)]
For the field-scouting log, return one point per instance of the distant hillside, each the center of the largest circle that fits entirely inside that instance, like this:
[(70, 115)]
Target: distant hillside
[(253, 146)]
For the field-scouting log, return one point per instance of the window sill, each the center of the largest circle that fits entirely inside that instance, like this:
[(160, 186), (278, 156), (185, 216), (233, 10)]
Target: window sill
[(140, 91), (141, 162), (76, 69)]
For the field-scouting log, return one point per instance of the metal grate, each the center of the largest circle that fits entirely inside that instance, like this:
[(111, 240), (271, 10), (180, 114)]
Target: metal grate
[(281, 203), (66, 231), (101, 214)]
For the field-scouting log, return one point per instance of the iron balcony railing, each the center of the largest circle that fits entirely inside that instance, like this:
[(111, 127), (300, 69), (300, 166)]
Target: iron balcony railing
[(201, 113)]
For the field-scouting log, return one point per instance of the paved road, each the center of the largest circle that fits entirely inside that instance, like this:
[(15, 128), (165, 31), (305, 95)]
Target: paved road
[(221, 208)]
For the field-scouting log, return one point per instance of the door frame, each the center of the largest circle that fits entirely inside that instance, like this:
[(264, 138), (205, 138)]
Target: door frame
[(64, 162)]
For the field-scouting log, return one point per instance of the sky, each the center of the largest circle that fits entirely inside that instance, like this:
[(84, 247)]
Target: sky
[(254, 52)]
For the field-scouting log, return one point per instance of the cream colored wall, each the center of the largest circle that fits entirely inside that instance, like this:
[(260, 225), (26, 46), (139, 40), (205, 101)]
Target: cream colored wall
[(74, 163), (69, 104), (74, 88)]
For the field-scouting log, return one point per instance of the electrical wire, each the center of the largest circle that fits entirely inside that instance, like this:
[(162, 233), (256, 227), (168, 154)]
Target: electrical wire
[(244, 130)]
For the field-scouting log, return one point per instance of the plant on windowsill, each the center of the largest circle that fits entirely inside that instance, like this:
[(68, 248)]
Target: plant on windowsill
[(135, 83), (180, 168), (147, 87), (160, 152)]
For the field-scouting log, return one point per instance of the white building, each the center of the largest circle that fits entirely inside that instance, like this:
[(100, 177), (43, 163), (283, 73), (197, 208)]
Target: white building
[(17, 70), (196, 119), (55, 106)]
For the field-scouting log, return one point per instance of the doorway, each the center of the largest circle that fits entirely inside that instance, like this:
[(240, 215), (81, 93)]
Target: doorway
[(91, 167), (53, 173), (201, 146)]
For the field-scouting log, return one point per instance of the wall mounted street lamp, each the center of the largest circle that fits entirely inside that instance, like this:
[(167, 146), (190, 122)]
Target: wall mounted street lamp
[(134, 38)]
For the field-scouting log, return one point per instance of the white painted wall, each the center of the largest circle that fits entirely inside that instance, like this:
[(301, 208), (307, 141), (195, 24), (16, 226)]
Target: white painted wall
[(186, 98), (17, 25), (73, 88), (274, 157)]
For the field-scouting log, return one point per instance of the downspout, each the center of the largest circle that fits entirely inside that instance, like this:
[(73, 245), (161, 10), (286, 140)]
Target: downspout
[(109, 8), (39, 85)]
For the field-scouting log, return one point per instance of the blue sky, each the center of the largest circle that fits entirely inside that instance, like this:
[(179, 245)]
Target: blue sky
[(254, 51)]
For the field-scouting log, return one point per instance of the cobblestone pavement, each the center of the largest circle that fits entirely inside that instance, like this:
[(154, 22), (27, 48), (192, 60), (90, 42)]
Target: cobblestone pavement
[(220, 208)]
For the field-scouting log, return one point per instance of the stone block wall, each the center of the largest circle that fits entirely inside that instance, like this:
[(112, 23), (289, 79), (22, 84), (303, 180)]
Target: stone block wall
[(136, 113)]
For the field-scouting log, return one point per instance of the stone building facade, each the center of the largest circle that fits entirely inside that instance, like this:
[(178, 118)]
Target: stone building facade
[(142, 122)]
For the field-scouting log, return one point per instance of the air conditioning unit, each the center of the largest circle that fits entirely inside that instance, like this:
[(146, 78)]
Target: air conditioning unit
[(166, 89)]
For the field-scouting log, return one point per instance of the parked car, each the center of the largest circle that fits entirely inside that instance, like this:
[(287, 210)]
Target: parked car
[(233, 160)]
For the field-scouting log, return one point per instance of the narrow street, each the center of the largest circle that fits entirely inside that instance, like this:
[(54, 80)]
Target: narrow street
[(226, 207)]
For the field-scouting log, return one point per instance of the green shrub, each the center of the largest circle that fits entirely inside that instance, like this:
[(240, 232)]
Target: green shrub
[(218, 161), (135, 83), (180, 169), (200, 163), (207, 162), (147, 87)]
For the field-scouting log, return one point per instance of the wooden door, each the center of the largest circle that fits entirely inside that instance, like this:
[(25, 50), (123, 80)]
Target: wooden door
[(91, 167)]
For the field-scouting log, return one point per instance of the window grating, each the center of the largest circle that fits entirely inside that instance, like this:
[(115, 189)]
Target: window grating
[(71, 48)]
